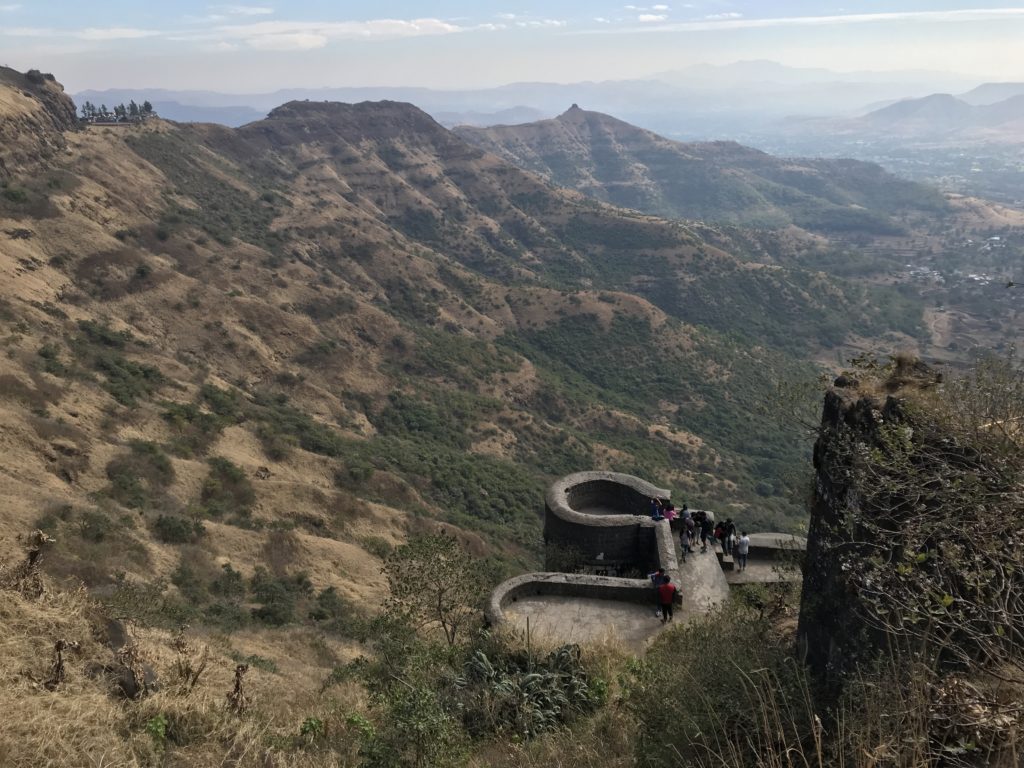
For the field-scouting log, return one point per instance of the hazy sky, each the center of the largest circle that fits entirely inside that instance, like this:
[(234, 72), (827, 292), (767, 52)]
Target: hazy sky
[(459, 44)]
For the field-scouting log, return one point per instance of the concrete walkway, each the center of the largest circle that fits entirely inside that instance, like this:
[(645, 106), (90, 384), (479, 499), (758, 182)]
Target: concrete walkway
[(702, 581), (567, 619), (765, 572)]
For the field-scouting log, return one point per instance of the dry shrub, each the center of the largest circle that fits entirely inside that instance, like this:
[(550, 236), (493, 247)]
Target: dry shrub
[(113, 274), (25, 577), (48, 429), (36, 397), (388, 485), (80, 724), (602, 741), (346, 507), (92, 545), (238, 700), (280, 550), (78, 720), (473, 543)]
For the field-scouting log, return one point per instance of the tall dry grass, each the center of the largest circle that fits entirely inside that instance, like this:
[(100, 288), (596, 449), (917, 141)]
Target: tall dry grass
[(82, 724)]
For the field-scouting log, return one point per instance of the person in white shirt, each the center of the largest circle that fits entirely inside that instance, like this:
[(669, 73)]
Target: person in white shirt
[(742, 550)]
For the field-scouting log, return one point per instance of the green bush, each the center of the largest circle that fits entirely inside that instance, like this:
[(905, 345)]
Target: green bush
[(278, 596), (332, 613), (227, 492), (172, 529), (103, 335), (140, 478), (223, 402), (95, 526), (716, 686), (194, 430), (15, 195), (127, 381)]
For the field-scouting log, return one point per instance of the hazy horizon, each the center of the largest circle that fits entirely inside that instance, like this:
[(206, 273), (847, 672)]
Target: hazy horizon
[(263, 47)]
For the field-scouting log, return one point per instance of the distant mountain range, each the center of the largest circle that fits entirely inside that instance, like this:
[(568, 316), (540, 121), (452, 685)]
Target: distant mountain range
[(726, 182), (703, 101), (942, 118), (990, 93)]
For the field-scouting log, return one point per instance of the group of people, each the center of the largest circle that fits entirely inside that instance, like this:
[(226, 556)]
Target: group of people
[(698, 525), (663, 509), (694, 526), (735, 545)]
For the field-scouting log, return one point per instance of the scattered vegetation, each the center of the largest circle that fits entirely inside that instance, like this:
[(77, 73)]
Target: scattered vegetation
[(227, 492), (140, 478)]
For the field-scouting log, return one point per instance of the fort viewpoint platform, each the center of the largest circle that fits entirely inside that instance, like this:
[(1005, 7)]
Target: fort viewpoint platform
[(600, 544)]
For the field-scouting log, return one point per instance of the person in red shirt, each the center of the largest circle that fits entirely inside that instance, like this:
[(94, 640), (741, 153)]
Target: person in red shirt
[(666, 594)]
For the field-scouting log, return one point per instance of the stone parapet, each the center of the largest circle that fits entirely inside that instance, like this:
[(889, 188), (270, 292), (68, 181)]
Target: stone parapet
[(607, 513), (570, 585)]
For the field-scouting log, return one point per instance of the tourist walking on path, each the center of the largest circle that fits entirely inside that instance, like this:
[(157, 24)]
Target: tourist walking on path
[(742, 550), (658, 578), (686, 531), (705, 533), (728, 534), (667, 595)]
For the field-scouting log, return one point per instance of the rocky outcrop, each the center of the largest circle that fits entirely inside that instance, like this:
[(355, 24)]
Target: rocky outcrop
[(916, 512), (831, 631), (34, 114)]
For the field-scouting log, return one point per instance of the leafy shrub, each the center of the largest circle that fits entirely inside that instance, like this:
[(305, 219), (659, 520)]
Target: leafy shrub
[(278, 596), (195, 430), (331, 612), (103, 335), (127, 381), (695, 708), (226, 492), (16, 195), (284, 425), (514, 693), (140, 478), (173, 529), (49, 353), (223, 402), (95, 526)]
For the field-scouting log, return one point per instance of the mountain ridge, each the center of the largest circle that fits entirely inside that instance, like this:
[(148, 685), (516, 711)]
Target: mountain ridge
[(362, 322), (635, 168)]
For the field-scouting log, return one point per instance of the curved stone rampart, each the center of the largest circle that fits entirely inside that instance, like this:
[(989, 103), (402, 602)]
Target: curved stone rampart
[(566, 585), (607, 514), (604, 517)]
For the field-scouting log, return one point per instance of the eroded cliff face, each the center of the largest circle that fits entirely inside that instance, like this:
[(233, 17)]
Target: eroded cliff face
[(918, 513), (832, 633), (34, 113)]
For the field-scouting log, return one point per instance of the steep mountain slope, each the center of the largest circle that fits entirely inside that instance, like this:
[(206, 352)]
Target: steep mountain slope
[(720, 181), (288, 346)]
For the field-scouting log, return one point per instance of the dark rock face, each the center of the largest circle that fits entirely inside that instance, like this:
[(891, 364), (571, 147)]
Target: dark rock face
[(832, 634), (32, 127), (122, 682)]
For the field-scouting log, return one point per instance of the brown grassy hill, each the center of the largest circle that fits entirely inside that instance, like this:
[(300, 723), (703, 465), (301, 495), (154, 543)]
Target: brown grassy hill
[(717, 181), (240, 366)]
